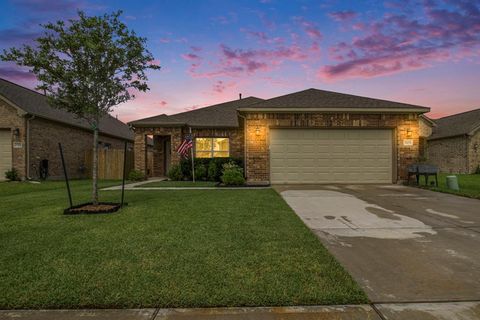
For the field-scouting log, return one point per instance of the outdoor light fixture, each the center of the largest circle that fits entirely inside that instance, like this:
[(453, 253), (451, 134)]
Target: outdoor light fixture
[(16, 132), (257, 131), (409, 133)]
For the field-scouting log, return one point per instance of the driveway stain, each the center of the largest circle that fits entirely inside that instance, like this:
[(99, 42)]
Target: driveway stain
[(353, 217)]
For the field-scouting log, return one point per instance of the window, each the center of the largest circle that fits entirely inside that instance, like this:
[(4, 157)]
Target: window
[(212, 147)]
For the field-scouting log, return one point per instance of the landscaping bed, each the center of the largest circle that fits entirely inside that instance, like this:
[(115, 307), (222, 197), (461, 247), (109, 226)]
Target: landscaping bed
[(195, 248)]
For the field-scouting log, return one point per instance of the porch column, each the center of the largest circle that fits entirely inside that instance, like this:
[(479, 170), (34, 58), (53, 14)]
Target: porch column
[(140, 151)]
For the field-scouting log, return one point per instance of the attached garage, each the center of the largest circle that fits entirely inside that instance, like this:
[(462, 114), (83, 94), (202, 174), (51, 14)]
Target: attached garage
[(331, 156), (5, 152)]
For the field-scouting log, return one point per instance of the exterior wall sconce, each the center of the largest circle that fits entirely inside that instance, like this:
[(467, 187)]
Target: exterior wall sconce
[(16, 133), (409, 133), (257, 131)]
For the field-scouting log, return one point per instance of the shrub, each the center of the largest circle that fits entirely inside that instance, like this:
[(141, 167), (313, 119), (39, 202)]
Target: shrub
[(175, 173), (477, 171), (213, 166), (200, 172), (232, 174), (136, 175), (12, 175), (212, 171)]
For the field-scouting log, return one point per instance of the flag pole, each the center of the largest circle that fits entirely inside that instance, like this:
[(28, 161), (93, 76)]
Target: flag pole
[(191, 151)]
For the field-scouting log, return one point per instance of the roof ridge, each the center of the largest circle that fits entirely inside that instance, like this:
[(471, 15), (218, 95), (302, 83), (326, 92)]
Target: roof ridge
[(213, 105), (347, 94), (457, 114)]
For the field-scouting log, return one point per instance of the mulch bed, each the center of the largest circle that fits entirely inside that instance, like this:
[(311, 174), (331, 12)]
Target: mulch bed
[(90, 208)]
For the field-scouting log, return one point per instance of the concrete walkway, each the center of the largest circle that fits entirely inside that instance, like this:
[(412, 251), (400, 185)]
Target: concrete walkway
[(406, 311)]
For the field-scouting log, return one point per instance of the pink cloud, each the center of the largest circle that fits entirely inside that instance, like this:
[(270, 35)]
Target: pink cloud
[(398, 43), (342, 15)]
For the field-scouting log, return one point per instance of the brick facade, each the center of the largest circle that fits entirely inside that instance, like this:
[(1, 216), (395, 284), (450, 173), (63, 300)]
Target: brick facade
[(257, 153), (175, 136), (474, 153), (42, 143), (11, 119), (460, 154), (257, 148), (44, 138)]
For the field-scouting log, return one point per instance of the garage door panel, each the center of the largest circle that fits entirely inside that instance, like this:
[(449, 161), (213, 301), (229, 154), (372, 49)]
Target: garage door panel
[(330, 156)]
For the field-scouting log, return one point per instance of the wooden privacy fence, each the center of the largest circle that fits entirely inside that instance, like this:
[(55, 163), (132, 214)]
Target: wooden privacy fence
[(110, 163)]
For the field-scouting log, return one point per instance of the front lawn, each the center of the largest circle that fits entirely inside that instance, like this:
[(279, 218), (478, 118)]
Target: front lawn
[(185, 248), (183, 184), (469, 184)]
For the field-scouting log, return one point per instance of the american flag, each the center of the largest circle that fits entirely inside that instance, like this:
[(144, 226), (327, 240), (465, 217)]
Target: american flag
[(186, 145)]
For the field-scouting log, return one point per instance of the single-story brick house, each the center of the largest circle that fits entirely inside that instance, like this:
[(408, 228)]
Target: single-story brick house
[(30, 130), (454, 145), (311, 136)]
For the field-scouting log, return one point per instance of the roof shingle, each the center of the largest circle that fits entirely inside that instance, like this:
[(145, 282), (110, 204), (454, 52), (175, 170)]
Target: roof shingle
[(36, 104), (456, 125), (223, 115), (321, 99)]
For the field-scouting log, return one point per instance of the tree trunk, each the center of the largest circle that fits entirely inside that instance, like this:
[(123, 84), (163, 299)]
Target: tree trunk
[(95, 166)]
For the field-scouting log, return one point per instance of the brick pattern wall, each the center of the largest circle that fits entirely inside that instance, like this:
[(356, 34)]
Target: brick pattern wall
[(176, 135), (11, 119), (449, 154), (257, 157), (474, 152), (44, 138)]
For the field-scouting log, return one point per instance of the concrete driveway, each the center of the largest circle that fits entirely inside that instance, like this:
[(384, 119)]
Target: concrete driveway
[(401, 244)]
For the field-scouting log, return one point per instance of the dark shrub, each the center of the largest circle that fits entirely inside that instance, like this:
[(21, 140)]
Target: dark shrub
[(214, 166), (175, 173), (212, 171), (136, 175), (200, 172), (12, 175), (232, 174)]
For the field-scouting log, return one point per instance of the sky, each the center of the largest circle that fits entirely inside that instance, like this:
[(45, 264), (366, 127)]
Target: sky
[(420, 52)]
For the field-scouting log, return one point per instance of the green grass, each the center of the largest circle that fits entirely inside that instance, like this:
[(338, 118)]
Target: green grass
[(182, 184), (469, 185), (187, 248)]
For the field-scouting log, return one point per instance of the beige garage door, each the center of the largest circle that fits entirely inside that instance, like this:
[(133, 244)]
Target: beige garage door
[(5, 152), (330, 156)]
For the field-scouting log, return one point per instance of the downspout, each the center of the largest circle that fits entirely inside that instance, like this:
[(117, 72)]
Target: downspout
[(27, 145), (244, 143)]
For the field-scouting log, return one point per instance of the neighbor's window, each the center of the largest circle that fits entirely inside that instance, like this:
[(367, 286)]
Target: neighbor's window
[(212, 147)]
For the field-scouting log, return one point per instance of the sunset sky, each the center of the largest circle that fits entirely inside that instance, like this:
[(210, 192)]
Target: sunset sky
[(419, 52)]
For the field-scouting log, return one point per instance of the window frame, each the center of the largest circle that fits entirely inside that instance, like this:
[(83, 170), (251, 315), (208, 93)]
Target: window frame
[(212, 151)]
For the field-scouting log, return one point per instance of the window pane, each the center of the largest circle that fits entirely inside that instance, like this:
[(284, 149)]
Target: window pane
[(203, 144), (203, 154), (220, 154), (220, 144)]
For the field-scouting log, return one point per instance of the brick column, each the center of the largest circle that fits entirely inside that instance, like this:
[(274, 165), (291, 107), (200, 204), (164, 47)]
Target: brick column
[(140, 151)]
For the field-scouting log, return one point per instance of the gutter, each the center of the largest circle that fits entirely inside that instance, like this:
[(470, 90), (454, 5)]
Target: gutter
[(336, 110)]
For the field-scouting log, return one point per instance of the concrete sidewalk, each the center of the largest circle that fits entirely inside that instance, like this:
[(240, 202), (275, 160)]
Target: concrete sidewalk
[(403, 311)]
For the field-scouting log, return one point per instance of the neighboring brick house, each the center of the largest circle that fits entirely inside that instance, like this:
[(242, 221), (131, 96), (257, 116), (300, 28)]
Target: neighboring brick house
[(311, 136), (30, 130), (425, 130), (454, 145)]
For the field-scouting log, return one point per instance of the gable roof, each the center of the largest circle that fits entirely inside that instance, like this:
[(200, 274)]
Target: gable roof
[(465, 123), (223, 115), (321, 100), (34, 103)]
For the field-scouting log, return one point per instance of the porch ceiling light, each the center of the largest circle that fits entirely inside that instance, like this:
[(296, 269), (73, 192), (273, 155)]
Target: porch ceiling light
[(257, 130)]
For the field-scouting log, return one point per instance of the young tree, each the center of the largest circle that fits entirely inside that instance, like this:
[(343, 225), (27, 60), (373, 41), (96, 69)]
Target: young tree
[(87, 66)]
